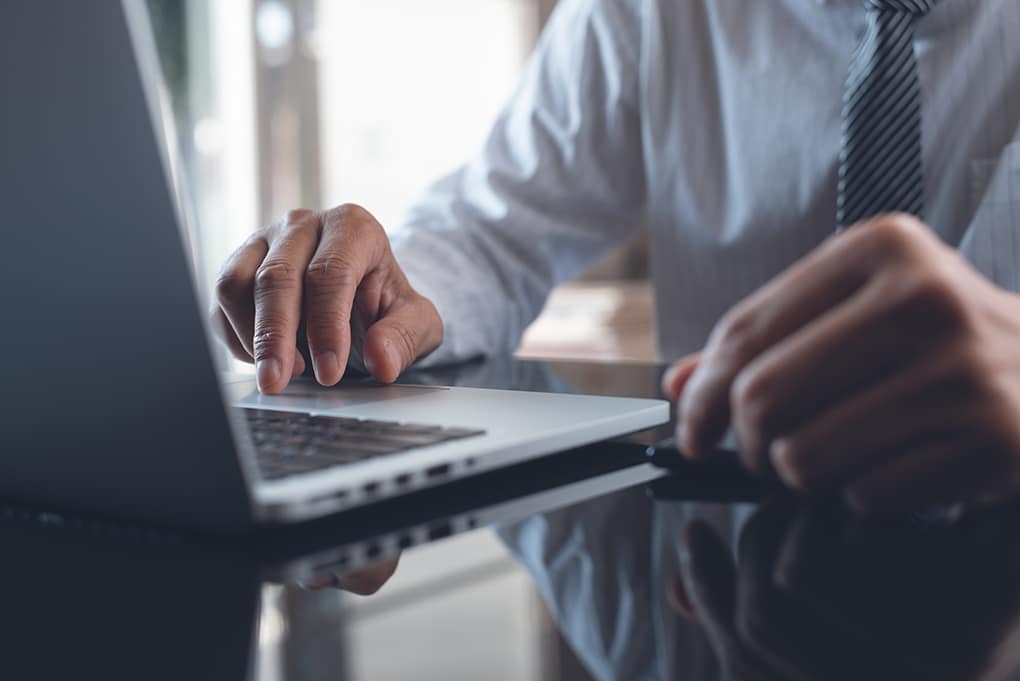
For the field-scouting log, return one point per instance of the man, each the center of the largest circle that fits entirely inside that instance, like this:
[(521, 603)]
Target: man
[(833, 188)]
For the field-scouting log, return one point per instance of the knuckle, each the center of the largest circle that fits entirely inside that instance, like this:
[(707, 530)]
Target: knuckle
[(735, 332), (257, 238), (296, 215), (933, 298), (355, 219), (352, 213), (408, 341), (232, 285), (267, 339), (897, 235), (278, 275), (329, 274)]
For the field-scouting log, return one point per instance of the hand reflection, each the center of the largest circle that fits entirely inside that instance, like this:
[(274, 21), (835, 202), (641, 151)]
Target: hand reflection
[(363, 582), (816, 594)]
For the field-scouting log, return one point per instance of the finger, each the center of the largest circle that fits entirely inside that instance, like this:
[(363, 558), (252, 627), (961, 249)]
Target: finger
[(820, 281), (833, 448), (278, 295), (352, 247), (405, 333), (369, 580), (221, 325), (955, 470), (299, 366), (676, 376), (235, 289), (857, 343), (226, 331), (807, 289), (364, 582)]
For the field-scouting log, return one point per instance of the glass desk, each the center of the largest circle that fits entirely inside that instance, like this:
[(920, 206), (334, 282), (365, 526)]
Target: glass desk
[(591, 564)]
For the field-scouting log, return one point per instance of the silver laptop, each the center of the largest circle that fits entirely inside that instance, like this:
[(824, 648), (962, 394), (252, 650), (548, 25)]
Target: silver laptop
[(112, 398)]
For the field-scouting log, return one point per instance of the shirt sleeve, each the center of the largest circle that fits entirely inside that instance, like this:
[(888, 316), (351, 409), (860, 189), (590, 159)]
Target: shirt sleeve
[(557, 184)]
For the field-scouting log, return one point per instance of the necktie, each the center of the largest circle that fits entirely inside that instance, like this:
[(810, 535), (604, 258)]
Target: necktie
[(880, 163)]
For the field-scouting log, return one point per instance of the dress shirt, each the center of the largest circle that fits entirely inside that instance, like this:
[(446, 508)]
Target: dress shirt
[(716, 124)]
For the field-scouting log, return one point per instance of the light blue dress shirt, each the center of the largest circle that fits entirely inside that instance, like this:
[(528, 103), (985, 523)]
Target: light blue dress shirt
[(717, 124)]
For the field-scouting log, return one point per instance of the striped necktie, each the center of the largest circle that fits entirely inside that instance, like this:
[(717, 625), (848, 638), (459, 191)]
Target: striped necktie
[(880, 166)]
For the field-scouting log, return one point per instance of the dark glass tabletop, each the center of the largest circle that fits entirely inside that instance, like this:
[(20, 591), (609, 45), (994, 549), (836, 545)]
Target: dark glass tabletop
[(598, 563)]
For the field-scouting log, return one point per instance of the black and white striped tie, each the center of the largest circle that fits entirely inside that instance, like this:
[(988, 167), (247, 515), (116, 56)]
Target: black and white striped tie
[(880, 166)]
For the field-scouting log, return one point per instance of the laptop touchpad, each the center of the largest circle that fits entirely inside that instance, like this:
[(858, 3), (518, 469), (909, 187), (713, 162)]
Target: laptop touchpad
[(306, 395)]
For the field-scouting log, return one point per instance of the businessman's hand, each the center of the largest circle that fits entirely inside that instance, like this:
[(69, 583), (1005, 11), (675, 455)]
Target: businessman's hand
[(330, 278), (881, 365)]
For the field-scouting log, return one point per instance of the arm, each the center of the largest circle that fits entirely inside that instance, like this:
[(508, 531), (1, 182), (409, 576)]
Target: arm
[(558, 183)]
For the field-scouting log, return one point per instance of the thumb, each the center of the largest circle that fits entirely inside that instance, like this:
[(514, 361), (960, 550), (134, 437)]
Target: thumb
[(408, 331)]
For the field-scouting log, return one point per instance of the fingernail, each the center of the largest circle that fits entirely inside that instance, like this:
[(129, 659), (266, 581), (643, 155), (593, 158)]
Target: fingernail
[(681, 440), (267, 372), (779, 456), (326, 366), (394, 357), (688, 446)]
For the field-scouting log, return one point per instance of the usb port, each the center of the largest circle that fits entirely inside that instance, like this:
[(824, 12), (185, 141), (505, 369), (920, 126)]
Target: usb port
[(438, 471)]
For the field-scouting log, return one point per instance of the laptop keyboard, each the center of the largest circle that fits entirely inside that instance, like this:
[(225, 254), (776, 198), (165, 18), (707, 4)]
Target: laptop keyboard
[(292, 443)]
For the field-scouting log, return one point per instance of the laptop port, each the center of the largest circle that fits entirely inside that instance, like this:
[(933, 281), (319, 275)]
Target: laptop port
[(403, 480), (438, 471), (405, 541), (371, 488), (440, 531)]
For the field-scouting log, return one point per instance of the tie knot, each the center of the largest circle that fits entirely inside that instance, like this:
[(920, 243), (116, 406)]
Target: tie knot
[(915, 7)]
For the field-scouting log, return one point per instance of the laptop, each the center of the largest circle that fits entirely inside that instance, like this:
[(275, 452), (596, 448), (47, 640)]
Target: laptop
[(114, 399)]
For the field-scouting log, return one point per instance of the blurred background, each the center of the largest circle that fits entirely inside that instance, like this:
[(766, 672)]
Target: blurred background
[(282, 104)]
